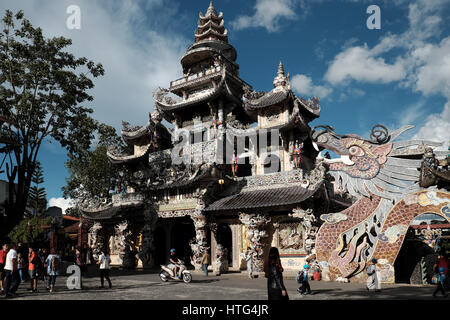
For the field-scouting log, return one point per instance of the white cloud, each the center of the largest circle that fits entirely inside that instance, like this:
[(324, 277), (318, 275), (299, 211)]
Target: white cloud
[(137, 53), (437, 128), (362, 64), (268, 14), (64, 204), (433, 75), (304, 85)]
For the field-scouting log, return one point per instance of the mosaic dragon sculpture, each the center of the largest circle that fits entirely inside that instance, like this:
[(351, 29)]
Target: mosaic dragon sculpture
[(384, 178)]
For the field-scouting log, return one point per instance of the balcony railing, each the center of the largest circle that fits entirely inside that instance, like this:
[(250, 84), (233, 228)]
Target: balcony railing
[(207, 73)]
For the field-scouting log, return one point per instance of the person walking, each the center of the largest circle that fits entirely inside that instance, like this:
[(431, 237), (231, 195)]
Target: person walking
[(273, 271), (42, 272), (12, 274), (206, 261), (20, 266), (3, 253), (440, 283), (34, 263), (373, 281), (103, 261), (304, 280), (79, 261), (53, 264), (249, 258)]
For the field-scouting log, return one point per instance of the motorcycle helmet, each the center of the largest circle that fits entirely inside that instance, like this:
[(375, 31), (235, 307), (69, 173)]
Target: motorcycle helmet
[(306, 266), (172, 250)]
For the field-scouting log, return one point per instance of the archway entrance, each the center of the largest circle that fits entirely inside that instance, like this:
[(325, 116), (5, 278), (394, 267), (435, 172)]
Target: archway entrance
[(427, 235), (225, 238), (183, 231)]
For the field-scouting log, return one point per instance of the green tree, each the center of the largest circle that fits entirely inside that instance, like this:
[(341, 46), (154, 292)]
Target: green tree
[(92, 175), (37, 201), (30, 231), (43, 89)]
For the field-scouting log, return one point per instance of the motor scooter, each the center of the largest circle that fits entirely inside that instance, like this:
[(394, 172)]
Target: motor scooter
[(167, 274)]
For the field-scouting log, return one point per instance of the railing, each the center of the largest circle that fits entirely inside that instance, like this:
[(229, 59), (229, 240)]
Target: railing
[(209, 72)]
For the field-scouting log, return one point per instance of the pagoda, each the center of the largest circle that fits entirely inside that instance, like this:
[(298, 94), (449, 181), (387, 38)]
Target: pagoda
[(235, 170)]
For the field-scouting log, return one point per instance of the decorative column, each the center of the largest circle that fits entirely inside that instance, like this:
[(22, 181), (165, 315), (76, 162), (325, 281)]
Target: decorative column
[(256, 225), (220, 254), (200, 244), (125, 239), (147, 253), (308, 221), (97, 233)]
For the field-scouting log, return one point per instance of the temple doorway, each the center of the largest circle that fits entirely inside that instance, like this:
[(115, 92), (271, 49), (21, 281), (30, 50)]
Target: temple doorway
[(225, 238), (425, 238), (182, 232)]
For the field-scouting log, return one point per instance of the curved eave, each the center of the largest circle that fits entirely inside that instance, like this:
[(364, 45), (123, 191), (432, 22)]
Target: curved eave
[(136, 134), (315, 112), (211, 23), (117, 159), (212, 32), (186, 103), (209, 17), (269, 99), (112, 212), (195, 178)]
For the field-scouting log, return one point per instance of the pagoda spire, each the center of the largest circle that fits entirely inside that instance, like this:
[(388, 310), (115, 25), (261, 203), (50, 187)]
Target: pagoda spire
[(211, 10), (280, 69), (211, 26), (281, 80)]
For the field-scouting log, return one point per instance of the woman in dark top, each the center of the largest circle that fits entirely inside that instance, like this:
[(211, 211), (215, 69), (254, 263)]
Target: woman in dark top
[(274, 274)]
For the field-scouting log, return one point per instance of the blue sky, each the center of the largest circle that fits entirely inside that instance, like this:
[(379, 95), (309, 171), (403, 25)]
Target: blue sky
[(394, 76)]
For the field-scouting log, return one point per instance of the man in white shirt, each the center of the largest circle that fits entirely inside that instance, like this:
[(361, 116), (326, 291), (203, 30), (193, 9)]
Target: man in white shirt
[(103, 261), (11, 271)]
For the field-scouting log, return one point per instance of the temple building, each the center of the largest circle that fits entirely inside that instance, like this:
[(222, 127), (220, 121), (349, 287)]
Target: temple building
[(239, 169), (248, 178)]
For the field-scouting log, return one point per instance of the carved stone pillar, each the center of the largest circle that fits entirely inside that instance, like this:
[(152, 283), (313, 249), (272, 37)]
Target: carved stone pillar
[(98, 236), (220, 254), (310, 229), (147, 253), (126, 244), (200, 244), (256, 225)]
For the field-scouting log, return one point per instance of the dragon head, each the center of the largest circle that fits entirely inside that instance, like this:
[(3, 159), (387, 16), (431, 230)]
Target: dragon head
[(377, 166)]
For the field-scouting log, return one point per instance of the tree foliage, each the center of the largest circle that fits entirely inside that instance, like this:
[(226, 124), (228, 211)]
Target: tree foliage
[(30, 231), (37, 201), (43, 90), (92, 175)]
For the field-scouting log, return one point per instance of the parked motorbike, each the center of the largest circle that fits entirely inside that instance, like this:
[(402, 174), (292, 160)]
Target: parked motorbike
[(167, 274)]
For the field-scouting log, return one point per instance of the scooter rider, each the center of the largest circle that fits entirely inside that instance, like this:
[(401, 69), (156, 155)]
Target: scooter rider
[(174, 263)]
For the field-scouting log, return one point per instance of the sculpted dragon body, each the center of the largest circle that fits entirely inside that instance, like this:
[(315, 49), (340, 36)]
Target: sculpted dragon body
[(384, 178)]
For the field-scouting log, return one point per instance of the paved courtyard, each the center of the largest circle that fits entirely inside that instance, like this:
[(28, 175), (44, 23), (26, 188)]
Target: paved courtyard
[(140, 285)]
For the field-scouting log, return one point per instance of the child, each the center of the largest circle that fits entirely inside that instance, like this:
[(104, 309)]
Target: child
[(302, 277), (440, 284)]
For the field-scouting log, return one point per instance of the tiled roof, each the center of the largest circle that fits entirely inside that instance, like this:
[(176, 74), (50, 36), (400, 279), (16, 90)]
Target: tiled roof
[(270, 197), (113, 212)]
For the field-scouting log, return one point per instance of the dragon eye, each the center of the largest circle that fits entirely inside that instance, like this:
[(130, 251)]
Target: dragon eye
[(322, 138), (356, 151)]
